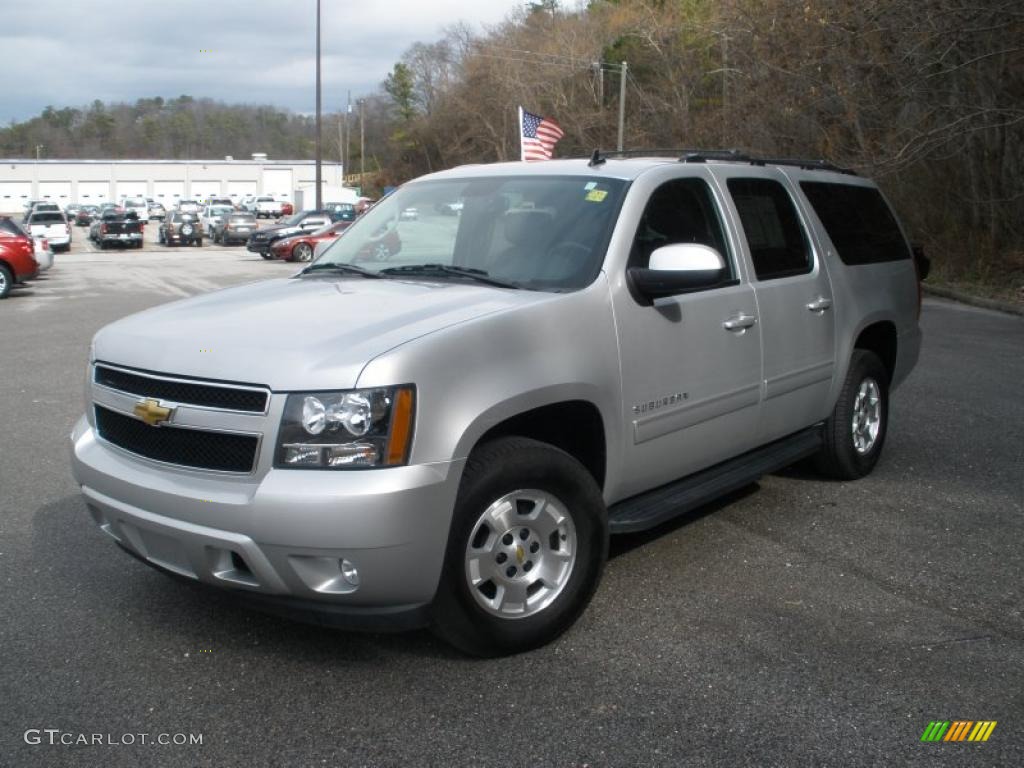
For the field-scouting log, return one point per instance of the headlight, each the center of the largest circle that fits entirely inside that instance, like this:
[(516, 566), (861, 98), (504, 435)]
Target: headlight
[(346, 430)]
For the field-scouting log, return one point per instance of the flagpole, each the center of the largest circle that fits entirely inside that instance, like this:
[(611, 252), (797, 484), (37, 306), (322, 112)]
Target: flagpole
[(522, 150)]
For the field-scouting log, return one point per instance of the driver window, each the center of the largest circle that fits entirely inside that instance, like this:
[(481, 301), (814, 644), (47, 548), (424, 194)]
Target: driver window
[(679, 211)]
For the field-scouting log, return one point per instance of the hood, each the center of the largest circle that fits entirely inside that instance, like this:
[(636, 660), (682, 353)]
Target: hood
[(296, 334)]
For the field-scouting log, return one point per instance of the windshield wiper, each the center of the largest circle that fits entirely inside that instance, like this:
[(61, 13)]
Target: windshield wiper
[(440, 270), (349, 269)]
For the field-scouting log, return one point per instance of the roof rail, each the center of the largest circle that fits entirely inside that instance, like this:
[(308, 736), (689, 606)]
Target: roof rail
[(689, 155)]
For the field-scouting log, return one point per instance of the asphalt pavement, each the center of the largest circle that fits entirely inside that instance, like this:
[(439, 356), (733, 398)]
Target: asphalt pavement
[(797, 622)]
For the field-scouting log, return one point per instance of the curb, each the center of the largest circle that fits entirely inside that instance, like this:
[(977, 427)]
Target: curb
[(975, 301)]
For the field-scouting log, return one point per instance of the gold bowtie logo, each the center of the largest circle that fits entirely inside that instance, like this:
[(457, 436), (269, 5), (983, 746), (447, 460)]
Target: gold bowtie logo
[(151, 412), (520, 554)]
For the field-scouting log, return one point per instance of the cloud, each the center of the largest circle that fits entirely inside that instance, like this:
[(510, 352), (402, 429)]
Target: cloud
[(250, 51)]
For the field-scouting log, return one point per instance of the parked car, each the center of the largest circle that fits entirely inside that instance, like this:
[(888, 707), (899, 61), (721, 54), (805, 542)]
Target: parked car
[(248, 203), (86, 214), (189, 206), (235, 228), (43, 253), (266, 207), (156, 211), (287, 209), (302, 247), (594, 347), (213, 215), (180, 229), (42, 206), (224, 201), (17, 255), (53, 225), (115, 227), (304, 221), (137, 205), (72, 210), (341, 211)]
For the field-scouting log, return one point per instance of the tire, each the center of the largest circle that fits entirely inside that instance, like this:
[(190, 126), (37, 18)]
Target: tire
[(852, 448), (302, 252), (508, 477), (199, 243), (6, 281), (267, 255)]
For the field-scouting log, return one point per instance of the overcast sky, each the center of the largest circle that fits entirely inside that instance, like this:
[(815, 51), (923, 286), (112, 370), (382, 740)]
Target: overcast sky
[(69, 52)]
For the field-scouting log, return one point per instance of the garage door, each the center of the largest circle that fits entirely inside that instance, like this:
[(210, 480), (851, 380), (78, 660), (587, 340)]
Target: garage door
[(168, 192), (14, 195), (131, 189), (93, 192), (239, 189), (278, 182), (55, 191), (204, 190)]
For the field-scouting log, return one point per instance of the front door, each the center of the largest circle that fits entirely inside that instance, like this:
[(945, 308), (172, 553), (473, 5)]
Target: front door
[(691, 364)]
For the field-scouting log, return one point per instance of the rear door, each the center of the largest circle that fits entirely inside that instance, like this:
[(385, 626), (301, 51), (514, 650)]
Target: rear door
[(794, 298)]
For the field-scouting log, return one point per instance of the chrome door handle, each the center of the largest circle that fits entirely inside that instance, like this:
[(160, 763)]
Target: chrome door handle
[(739, 322), (820, 304)]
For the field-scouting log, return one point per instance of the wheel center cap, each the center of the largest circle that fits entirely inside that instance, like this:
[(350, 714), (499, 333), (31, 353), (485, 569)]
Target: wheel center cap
[(520, 554)]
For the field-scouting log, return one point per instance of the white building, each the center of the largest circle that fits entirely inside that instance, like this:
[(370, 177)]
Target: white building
[(166, 181)]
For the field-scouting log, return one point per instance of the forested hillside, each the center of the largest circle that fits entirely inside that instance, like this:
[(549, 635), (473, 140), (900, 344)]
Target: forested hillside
[(926, 96)]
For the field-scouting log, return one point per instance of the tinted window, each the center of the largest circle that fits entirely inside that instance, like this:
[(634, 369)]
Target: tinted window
[(778, 245), (47, 218), (858, 221), (680, 211)]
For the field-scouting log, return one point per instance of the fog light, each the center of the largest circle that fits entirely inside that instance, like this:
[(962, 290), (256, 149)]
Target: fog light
[(350, 572)]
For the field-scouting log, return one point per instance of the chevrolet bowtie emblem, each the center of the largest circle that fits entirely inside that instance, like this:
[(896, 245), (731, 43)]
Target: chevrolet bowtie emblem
[(520, 554), (151, 412)]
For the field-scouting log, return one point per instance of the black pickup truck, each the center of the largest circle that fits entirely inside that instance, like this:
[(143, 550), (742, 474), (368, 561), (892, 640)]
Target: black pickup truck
[(116, 228)]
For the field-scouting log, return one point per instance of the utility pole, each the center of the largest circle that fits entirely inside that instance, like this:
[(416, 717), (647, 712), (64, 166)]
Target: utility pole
[(39, 150), (348, 136), (362, 147), (623, 73), (319, 149), (725, 90)]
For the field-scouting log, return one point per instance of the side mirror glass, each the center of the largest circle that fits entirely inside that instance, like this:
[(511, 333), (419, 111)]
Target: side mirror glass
[(680, 268)]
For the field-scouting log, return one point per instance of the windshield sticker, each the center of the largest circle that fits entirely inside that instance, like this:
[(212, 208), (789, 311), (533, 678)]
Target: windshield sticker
[(590, 185), (596, 195)]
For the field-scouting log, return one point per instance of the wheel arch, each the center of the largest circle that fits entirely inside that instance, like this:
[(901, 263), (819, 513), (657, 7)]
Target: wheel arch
[(573, 424), (881, 338)]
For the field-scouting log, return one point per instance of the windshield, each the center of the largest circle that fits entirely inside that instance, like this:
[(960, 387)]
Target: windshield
[(543, 233)]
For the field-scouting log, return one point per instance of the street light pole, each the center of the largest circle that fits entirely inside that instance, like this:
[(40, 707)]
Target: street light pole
[(362, 149), (623, 71), (319, 152)]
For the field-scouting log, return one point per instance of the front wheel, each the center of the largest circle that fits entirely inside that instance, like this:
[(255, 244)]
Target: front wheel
[(527, 545), (6, 281), (302, 252), (855, 432)]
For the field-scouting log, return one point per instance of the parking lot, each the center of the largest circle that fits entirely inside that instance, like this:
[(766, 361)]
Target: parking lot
[(797, 622)]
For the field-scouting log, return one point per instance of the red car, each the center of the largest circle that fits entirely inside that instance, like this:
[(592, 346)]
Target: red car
[(287, 209), (17, 256), (301, 247)]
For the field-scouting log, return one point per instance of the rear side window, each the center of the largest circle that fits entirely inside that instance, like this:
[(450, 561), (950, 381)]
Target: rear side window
[(777, 241), (858, 221), (11, 226)]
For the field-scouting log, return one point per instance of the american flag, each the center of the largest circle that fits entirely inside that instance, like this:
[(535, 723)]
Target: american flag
[(540, 134)]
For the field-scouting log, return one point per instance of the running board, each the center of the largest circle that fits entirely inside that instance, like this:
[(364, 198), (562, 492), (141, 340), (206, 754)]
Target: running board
[(652, 508)]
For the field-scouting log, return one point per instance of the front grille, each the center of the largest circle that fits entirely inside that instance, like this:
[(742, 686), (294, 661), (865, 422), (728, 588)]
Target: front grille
[(187, 447), (184, 392)]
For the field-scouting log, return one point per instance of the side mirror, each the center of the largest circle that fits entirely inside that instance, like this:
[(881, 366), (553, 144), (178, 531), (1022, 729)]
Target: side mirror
[(680, 268)]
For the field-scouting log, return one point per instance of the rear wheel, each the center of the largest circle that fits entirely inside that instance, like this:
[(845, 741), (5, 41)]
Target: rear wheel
[(6, 281), (855, 432), (527, 545)]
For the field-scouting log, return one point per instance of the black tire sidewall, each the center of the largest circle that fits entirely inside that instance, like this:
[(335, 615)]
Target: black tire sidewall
[(840, 458), (496, 469), (8, 282)]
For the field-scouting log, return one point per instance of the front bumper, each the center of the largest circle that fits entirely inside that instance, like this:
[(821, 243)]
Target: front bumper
[(279, 538)]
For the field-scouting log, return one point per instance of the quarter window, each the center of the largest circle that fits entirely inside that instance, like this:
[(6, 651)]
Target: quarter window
[(858, 222), (777, 241)]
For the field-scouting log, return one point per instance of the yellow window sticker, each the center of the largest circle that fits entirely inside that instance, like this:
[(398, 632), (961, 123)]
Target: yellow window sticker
[(596, 195)]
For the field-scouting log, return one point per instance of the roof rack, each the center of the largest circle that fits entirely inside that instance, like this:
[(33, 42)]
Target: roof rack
[(686, 155)]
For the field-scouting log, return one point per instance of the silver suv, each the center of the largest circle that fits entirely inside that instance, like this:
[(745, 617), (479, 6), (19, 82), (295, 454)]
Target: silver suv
[(476, 402)]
